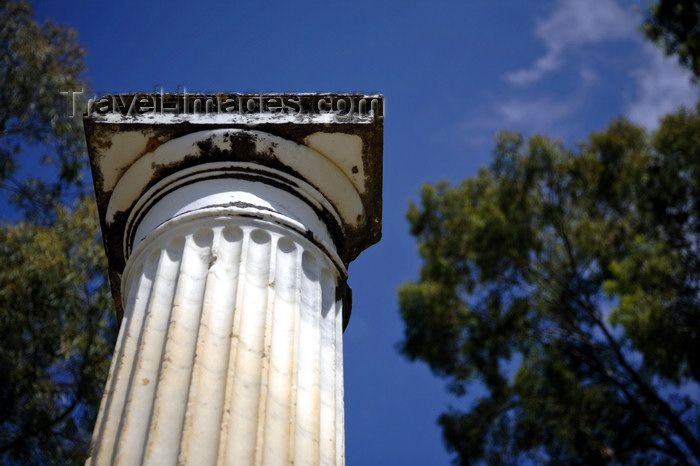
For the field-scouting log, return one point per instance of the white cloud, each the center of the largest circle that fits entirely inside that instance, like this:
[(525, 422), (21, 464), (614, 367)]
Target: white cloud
[(543, 114), (607, 79), (662, 86), (573, 24)]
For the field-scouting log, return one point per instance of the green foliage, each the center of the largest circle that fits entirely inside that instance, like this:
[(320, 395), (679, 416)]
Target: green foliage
[(674, 25), (57, 337), (579, 271), (37, 63), (56, 317)]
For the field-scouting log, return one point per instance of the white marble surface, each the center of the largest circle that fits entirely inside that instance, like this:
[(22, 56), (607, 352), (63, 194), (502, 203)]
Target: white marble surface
[(230, 351)]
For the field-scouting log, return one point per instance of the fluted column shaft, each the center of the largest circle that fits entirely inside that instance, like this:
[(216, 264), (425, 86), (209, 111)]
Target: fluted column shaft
[(228, 237), (230, 350)]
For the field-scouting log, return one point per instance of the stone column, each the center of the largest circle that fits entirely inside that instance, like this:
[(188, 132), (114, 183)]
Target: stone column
[(228, 249)]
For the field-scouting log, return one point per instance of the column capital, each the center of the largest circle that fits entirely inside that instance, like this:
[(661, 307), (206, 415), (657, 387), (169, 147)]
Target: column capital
[(324, 148)]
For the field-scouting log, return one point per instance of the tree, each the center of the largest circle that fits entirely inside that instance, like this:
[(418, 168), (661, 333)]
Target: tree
[(57, 326), (567, 283), (37, 63), (675, 26), (56, 318)]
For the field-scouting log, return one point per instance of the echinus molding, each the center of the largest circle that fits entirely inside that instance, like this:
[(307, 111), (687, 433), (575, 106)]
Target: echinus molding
[(332, 143)]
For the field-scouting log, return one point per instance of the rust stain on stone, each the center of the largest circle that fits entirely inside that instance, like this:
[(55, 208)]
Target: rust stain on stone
[(153, 144)]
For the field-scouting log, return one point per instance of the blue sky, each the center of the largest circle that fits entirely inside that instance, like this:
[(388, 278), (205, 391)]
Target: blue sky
[(453, 72)]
